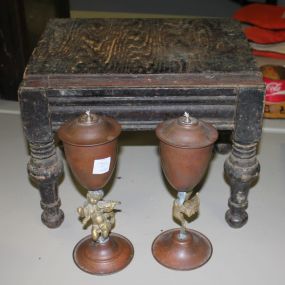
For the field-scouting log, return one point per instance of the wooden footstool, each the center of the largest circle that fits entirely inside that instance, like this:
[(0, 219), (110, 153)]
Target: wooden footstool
[(143, 71)]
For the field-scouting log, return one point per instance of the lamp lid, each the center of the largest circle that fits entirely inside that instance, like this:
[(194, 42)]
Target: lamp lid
[(186, 132), (89, 129)]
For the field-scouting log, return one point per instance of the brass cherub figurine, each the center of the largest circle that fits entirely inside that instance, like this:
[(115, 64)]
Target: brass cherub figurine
[(183, 206), (101, 213)]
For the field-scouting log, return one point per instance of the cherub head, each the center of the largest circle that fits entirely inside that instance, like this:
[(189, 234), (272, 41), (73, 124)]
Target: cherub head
[(94, 196)]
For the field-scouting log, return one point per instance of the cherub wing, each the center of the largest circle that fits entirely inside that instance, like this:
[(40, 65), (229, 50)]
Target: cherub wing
[(108, 205), (191, 206)]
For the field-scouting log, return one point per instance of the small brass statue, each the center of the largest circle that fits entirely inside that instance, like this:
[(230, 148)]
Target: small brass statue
[(101, 213), (183, 206)]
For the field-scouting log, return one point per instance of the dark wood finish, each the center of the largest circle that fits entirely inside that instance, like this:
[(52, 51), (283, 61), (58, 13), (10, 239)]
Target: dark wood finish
[(141, 72), (14, 47), (62, 9), (21, 23), (246, 2), (44, 167), (242, 167), (141, 46)]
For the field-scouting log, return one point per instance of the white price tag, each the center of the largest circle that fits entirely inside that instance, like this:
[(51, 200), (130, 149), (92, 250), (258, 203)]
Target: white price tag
[(101, 166)]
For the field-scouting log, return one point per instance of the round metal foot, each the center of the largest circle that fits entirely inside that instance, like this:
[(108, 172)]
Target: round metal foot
[(191, 252), (103, 258)]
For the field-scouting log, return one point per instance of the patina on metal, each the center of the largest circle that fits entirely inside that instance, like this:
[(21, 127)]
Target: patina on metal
[(90, 145), (100, 213), (185, 149), (183, 206)]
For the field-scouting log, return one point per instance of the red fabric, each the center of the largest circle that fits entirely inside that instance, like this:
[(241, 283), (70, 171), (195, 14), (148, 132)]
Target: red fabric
[(268, 54), (263, 36), (262, 15)]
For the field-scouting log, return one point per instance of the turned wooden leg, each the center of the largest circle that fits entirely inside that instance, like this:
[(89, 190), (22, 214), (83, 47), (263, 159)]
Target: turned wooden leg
[(242, 169), (45, 169)]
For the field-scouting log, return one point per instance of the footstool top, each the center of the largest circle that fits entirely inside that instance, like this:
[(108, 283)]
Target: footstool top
[(142, 52)]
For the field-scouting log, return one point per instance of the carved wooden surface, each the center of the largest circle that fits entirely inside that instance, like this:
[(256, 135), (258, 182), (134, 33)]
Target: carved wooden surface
[(142, 46), (144, 108), (142, 71)]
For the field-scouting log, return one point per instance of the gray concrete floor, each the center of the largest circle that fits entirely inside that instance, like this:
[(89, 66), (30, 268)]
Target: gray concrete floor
[(30, 253)]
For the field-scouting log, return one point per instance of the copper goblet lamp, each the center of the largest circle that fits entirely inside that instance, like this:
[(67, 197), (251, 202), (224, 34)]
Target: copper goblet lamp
[(185, 149), (90, 146)]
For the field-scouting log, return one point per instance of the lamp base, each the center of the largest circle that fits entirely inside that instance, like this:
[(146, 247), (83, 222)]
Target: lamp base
[(191, 252), (103, 258)]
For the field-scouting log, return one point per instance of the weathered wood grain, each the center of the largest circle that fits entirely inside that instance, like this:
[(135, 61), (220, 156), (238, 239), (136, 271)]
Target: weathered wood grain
[(141, 46), (144, 80)]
